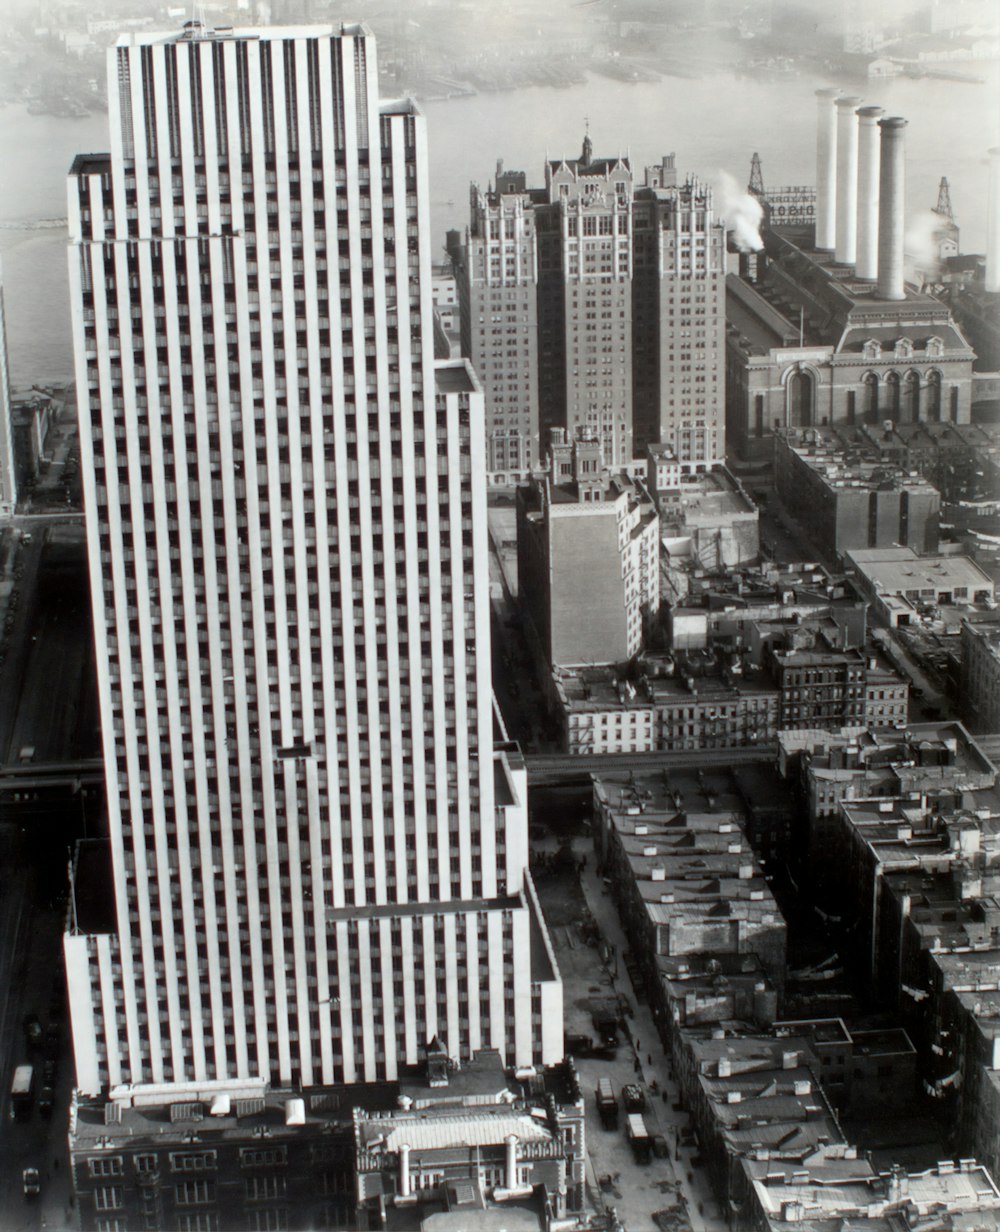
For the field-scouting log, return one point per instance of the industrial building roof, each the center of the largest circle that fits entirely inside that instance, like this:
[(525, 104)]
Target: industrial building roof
[(900, 570)]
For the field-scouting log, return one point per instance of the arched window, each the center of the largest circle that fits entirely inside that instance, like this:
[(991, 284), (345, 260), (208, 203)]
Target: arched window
[(911, 397), (892, 396), (800, 399), (934, 395), (871, 396)]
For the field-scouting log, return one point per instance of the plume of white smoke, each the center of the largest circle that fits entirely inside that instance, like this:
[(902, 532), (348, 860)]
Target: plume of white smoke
[(742, 212), (921, 242)]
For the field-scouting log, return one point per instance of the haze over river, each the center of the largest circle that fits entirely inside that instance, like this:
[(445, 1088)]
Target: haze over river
[(713, 123)]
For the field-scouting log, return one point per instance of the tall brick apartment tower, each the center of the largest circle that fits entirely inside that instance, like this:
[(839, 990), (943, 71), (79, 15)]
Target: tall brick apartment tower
[(596, 304)]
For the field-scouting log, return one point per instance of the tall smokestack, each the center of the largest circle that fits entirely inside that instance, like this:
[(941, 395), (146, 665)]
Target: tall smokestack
[(847, 179), (826, 170), (993, 225), (891, 221), (866, 265)]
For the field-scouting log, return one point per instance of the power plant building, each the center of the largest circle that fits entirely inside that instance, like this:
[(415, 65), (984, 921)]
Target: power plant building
[(829, 333), (595, 305)]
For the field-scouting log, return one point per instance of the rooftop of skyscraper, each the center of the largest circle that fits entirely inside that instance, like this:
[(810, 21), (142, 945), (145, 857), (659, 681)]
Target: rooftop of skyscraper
[(195, 31)]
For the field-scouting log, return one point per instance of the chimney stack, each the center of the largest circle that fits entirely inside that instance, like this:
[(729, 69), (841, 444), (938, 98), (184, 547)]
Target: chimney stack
[(993, 225), (847, 180), (826, 170), (866, 265), (891, 219)]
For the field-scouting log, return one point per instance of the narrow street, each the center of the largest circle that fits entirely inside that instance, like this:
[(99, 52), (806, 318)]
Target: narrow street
[(674, 1188), (32, 982)]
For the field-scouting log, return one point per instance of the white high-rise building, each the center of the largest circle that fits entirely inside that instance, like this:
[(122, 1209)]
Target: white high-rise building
[(8, 470), (319, 861)]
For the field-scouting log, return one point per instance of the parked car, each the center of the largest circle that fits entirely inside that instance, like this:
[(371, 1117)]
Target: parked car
[(634, 1097), (32, 1028), (45, 1101)]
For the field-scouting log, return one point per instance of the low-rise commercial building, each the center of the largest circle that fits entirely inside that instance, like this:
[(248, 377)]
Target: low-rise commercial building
[(846, 496), (960, 460), (748, 1094), (707, 520), (707, 990), (822, 683), (899, 583), (684, 876), (860, 1069), (472, 1141), (877, 838), (599, 712), (937, 761), (236, 1156), (833, 1190), (979, 695), (720, 608)]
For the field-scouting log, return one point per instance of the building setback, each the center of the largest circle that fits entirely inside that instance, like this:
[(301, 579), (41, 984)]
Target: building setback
[(595, 304), (319, 863)]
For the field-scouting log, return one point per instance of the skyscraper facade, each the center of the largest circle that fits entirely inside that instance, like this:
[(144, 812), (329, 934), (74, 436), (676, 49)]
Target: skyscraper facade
[(596, 305), (319, 861), (8, 470)]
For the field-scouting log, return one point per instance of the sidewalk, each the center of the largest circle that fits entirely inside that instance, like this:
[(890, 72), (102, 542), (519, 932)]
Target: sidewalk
[(649, 1062)]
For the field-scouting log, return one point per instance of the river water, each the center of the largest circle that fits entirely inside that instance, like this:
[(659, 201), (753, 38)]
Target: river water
[(713, 123)]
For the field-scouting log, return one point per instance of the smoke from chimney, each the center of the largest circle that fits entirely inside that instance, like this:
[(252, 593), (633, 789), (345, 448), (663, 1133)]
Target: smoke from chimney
[(743, 214), (922, 242)]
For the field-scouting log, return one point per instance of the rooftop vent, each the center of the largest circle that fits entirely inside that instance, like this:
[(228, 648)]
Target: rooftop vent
[(187, 1112)]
